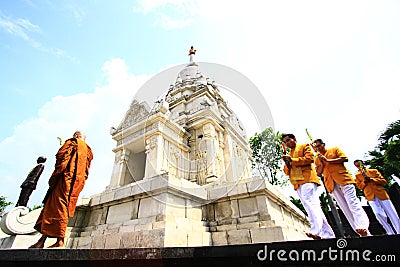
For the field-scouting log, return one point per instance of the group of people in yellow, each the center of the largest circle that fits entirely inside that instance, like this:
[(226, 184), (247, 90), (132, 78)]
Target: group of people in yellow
[(329, 162)]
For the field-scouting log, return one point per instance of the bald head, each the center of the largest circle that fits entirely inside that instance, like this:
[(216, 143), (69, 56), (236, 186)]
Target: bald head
[(80, 135)]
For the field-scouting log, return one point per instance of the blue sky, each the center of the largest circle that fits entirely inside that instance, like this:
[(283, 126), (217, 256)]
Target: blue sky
[(332, 67)]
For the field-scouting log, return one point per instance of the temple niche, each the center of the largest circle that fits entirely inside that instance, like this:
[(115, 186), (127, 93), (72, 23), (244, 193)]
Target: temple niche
[(130, 152)]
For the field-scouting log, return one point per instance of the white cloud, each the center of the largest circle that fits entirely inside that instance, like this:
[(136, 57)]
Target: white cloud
[(184, 7), (78, 13), (93, 113), (207, 9), (24, 29), (169, 23), (18, 27), (169, 14)]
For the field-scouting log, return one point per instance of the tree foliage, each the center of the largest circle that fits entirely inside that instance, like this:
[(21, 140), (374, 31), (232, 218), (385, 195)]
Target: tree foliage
[(35, 207), (324, 202), (297, 203), (3, 203), (267, 153), (386, 157)]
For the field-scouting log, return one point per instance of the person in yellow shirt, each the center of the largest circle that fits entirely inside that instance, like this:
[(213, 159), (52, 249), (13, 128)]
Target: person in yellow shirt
[(340, 183), (298, 165), (372, 181)]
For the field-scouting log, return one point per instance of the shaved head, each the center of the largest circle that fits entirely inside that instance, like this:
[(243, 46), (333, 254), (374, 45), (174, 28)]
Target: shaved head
[(80, 135)]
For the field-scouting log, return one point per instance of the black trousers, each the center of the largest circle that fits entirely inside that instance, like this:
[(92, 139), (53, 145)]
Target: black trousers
[(24, 196)]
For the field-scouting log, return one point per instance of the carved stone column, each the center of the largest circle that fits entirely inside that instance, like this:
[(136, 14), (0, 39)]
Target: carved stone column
[(154, 156), (209, 149), (228, 157), (120, 168)]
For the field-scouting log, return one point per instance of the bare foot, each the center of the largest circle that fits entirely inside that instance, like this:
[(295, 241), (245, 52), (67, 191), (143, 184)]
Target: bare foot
[(40, 242), (59, 244), (362, 232), (313, 236), (37, 245)]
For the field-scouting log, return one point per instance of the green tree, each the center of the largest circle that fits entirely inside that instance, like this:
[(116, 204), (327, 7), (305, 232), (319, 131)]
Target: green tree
[(297, 203), (35, 207), (3, 203), (267, 153), (324, 202), (386, 157)]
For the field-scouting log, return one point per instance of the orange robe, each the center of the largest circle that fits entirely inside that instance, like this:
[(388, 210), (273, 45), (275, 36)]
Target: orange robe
[(301, 170), (67, 181), (374, 187)]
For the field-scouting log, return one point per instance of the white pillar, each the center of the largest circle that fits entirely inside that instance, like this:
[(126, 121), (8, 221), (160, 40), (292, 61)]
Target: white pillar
[(154, 156), (120, 168)]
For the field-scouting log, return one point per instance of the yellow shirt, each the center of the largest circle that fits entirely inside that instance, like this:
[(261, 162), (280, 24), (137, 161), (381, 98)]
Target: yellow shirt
[(335, 172), (374, 187), (302, 171)]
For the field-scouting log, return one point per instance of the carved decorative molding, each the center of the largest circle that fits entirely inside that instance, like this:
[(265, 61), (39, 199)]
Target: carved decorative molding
[(151, 144), (19, 221), (137, 112)]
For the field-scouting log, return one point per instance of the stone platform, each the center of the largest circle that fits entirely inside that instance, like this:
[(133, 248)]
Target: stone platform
[(164, 211), (374, 250)]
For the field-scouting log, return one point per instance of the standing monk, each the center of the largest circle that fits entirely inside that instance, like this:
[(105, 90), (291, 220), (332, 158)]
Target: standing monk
[(340, 184), (372, 182), (67, 181), (305, 181)]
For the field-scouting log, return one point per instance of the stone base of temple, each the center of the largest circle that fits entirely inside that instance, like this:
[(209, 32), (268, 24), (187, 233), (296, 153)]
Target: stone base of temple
[(23, 241), (163, 211)]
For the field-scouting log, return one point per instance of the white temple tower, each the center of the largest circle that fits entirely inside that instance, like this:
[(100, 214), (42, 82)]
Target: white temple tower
[(190, 133)]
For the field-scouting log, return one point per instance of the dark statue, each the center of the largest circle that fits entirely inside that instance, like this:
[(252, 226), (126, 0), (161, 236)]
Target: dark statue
[(30, 182)]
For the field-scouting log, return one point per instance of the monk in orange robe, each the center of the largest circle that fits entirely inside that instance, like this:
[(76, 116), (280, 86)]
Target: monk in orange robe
[(65, 184)]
